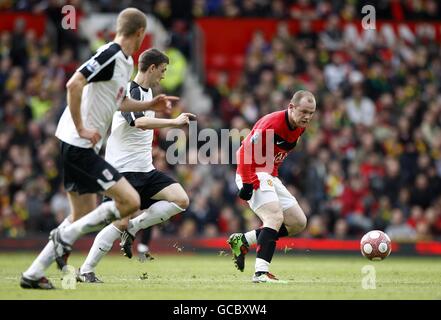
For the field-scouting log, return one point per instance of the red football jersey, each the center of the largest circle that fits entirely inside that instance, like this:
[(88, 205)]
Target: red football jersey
[(266, 146)]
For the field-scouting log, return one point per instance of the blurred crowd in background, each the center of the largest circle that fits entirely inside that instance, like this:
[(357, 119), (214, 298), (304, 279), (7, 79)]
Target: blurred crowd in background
[(370, 160)]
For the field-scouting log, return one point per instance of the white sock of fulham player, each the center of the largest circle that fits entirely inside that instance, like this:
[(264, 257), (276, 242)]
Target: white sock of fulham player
[(93, 221), (142, 248), (44, 259), (158, 212), (251, 237), (101, 246), (261, 265)]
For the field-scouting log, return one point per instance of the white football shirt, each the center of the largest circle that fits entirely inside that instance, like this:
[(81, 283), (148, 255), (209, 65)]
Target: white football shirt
[(107, 74), (129, 149)]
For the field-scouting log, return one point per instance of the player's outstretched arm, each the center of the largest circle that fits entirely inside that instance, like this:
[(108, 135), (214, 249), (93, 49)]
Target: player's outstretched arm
[(74, 88), (146, 123), (159, 103)]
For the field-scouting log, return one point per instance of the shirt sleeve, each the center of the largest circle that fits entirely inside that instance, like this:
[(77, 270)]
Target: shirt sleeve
[(130, 117), (101, 66), (247, 161), (246, 164)]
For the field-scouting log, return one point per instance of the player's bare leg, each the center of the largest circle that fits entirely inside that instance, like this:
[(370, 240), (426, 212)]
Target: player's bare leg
[(125, 202), (294, 220), (81, 204), (172, 200), (33, 277), (101, 246)]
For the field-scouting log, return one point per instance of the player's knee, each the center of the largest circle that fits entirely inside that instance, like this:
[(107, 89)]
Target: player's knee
[(183, 201), (278, 220), (275, 221), (301, 223), (298, 226), (122, 224), (135, 202), (131, 203)]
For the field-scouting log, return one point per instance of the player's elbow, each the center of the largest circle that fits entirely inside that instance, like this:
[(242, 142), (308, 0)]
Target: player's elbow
[(70, 84), (76, 82), (301, 223), (74, 85)]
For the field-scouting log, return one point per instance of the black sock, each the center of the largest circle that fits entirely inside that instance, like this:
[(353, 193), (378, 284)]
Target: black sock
[(146, 236), (266, 244), (283, 232)]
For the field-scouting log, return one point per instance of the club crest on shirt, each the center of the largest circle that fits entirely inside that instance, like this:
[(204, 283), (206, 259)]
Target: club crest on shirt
[(270, 182), (121, 93)]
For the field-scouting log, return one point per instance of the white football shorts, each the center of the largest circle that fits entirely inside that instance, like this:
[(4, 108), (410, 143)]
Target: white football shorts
[(271, 189)]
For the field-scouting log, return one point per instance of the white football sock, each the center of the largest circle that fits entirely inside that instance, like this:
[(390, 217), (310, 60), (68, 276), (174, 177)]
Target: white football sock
[(261, 265), (158, 212), (142, 248), (101, 245), (251, 237), (44, 259), (93, 221)]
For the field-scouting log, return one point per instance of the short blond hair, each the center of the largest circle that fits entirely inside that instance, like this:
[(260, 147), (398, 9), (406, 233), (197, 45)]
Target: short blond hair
[(299, 95), (129, 21)]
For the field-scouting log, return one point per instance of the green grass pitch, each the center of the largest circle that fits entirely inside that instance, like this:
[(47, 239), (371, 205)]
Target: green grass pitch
[(212, 276)]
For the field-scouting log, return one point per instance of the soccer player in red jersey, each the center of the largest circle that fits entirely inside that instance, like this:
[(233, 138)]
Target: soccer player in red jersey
[(259, 158)]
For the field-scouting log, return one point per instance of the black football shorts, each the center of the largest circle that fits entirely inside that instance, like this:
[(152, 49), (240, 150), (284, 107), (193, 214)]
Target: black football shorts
[(86, 172)]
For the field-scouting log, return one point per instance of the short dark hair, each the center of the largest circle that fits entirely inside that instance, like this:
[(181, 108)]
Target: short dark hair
[(149, 57)]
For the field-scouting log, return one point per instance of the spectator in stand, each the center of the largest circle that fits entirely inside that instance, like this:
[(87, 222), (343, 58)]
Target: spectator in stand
[(336, 72), (360, 109), (331, 36), (303, 9), (399, 230)]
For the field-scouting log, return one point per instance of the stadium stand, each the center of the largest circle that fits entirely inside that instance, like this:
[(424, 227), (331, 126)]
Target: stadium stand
[(371, 160)]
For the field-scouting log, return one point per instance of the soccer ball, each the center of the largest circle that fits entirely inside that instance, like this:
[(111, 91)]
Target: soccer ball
[(375, 245)]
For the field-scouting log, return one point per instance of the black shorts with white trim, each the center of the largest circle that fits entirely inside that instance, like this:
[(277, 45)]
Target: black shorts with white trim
[(147, 184), (86, 172)]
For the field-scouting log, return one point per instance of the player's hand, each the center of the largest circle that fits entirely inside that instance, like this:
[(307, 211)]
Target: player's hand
[(162, 103), (246, 192), (90, 134), (184, 119)]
